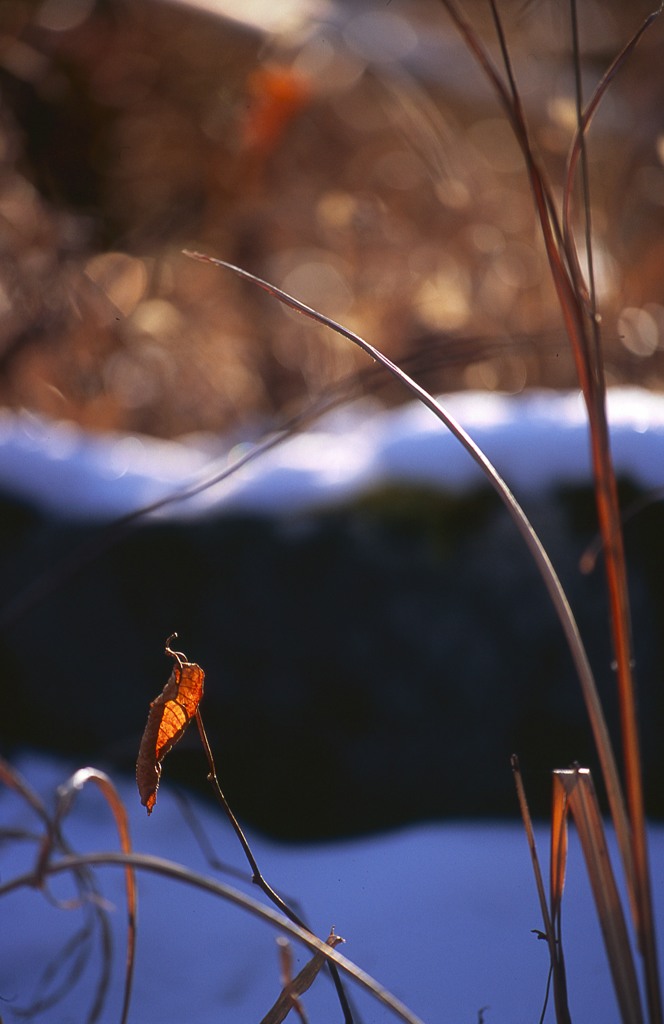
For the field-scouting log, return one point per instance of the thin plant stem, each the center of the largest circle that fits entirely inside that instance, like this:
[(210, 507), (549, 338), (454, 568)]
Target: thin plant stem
[(585, 188), (256, 874), (640, 889), (556, 969)]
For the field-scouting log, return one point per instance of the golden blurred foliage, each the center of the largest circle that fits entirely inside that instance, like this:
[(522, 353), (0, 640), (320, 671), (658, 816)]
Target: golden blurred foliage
[(359, 161)]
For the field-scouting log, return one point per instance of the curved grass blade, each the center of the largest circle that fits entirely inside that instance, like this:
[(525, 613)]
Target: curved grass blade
[(73, 953), (66, 793), (179, 873), (537, 551)]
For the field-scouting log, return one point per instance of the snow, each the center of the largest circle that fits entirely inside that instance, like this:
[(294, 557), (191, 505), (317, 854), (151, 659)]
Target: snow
[(441, 914), (532, 439)]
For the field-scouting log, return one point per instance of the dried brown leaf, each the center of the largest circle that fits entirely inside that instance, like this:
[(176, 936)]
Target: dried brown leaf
[(170, 714)]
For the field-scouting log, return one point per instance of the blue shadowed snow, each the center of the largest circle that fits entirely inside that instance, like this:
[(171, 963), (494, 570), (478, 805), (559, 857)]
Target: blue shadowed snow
[(533, 440), (441, 915)]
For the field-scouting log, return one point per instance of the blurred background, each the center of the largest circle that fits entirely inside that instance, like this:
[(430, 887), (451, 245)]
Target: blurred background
[(352, 153)]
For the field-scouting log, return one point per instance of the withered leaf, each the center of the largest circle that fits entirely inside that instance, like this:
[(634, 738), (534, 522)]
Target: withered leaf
[(170, 714)]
